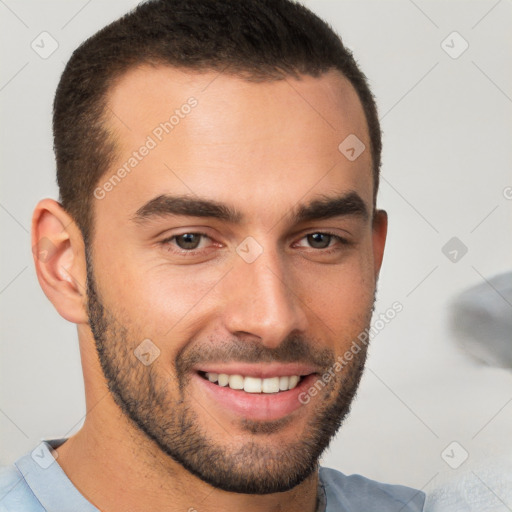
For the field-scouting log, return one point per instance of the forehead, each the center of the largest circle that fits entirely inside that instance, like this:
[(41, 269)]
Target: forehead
[(259, 146)]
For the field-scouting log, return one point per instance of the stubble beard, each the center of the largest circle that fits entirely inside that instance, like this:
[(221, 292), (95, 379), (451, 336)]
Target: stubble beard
[(143, 395)]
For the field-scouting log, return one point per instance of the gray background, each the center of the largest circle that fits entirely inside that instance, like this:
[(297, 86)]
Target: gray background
[(446, 164)]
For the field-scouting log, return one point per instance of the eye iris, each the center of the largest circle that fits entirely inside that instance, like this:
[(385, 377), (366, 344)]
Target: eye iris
[(188, 241), (319, 240)]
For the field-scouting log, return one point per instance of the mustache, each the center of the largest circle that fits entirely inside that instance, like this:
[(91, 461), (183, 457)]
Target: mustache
[(294, 349)]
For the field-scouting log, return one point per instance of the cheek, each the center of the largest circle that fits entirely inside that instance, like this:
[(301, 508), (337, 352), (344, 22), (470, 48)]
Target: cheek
[(340, 297), (162, 299)]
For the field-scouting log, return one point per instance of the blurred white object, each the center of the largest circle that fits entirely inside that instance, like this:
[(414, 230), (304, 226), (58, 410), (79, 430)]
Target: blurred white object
[(484, 487), (481, 319)]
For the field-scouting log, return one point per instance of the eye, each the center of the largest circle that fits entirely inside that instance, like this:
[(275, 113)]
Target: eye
[(320, 240), (187, 242), (193, 242)]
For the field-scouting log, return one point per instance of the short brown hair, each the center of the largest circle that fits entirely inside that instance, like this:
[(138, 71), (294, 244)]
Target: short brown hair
[(255, 39)]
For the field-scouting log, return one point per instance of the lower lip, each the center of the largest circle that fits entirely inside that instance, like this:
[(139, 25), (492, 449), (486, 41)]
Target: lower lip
[(255, 406)]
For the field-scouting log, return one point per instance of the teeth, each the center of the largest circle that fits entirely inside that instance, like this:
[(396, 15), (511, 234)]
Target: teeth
[(236, 382), (270, 385), (294, 380), (254, 384)]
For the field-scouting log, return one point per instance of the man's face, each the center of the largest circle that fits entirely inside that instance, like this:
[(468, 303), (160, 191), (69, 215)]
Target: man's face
[(266, 284)]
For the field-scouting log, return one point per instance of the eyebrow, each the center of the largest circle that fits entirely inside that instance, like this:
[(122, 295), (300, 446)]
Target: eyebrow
[(349, 204)]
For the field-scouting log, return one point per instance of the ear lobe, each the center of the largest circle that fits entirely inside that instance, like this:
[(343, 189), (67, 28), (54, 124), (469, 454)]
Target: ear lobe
[(380, 230), (59, 258)]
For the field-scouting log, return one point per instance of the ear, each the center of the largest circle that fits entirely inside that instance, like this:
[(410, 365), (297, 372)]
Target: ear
[(59, 258), (379, 233)]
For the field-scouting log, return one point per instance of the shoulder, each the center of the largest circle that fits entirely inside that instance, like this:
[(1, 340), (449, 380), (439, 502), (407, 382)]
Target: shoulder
[(356, 492), (15, 494)]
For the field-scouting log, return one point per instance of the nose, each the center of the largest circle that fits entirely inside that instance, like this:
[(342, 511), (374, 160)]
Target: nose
[(262, 301)]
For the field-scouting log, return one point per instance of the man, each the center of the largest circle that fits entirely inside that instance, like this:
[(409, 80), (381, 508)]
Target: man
[(218, 245)]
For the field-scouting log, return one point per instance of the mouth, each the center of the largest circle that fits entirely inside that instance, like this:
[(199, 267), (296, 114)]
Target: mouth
[(259, 393)]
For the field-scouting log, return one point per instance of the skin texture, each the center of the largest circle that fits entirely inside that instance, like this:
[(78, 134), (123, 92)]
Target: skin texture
[(264, 149)]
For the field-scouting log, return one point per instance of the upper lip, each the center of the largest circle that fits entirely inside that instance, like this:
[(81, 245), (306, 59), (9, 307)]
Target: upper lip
[(262, 370)]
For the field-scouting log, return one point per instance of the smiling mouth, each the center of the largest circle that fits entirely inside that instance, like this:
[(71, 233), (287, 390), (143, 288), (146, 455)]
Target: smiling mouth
[(267, 385)]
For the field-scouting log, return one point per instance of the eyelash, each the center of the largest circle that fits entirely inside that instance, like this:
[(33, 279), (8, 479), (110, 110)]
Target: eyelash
[(193, 252)]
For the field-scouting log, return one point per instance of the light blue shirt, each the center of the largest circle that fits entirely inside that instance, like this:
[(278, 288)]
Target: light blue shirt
[(36, 483)]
